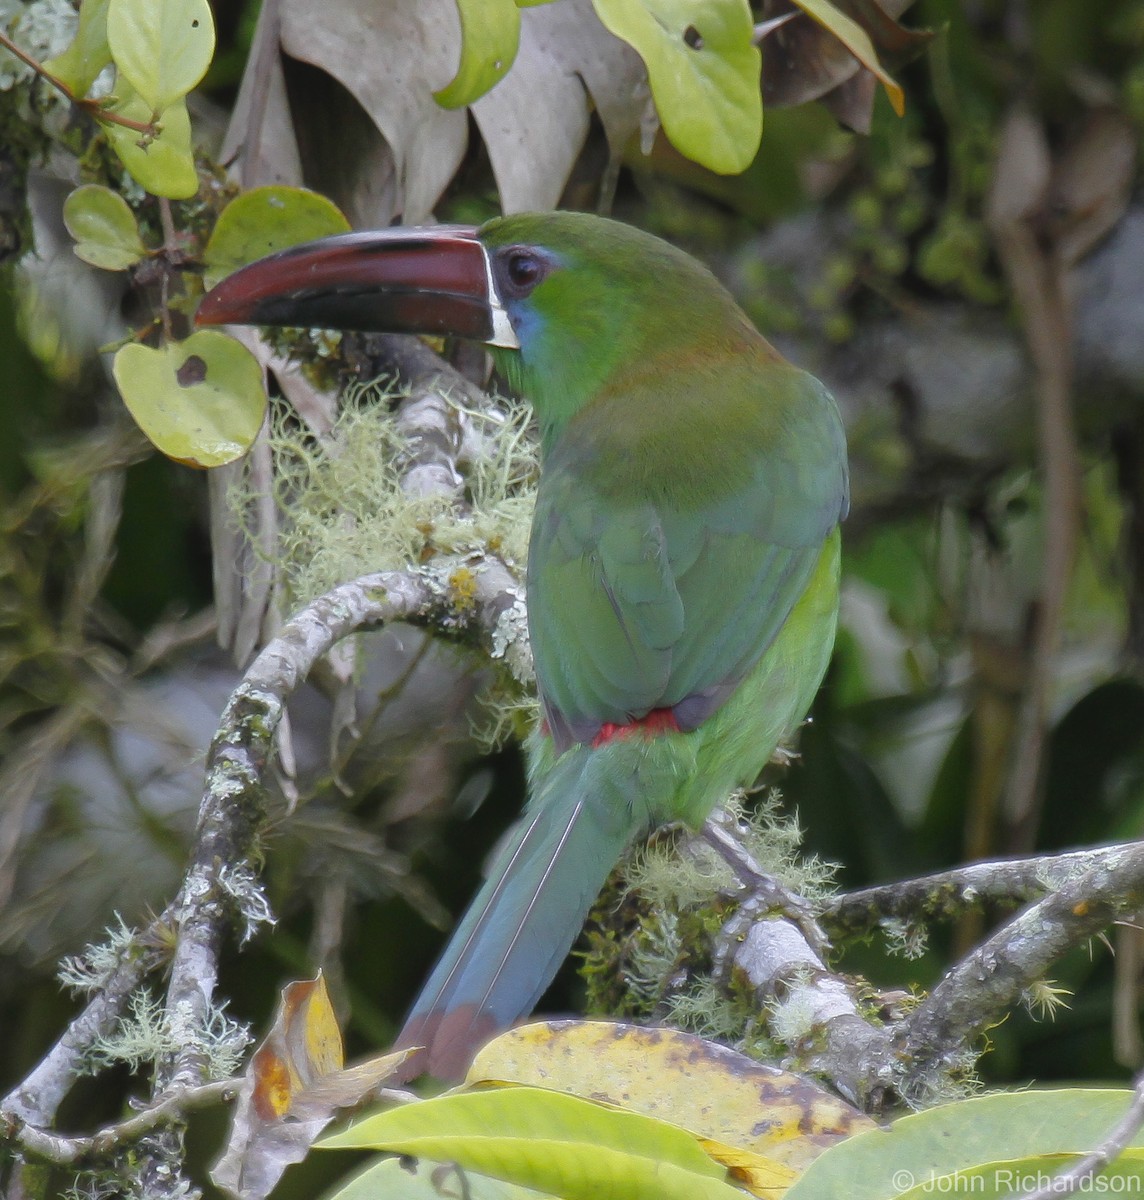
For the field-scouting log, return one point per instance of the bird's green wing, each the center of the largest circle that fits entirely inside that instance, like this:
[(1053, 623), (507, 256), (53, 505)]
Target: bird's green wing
[(638, 604)]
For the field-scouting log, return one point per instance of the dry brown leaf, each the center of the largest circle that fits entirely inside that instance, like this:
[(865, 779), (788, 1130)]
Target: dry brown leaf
[(1021, 178), (391, 57), (535, 121), (260, 142), (295, 1085), (802, 61)]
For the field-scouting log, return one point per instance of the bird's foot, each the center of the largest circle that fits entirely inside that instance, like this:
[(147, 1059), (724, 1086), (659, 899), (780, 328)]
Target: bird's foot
[(723, 833)]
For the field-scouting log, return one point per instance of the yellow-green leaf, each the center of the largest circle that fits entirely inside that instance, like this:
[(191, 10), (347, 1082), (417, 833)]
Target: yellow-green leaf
[(266, 219), (1014, 1177), (200, 401), (89, 52), (703, 68), (162, 163), (161, 47), (857, 41), (490, 36), (404, 1179), (104, 228), (960, 1137), (550, 1141)]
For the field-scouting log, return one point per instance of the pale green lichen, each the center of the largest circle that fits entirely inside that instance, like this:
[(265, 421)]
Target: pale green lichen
[(42, 29), (908, 939), (343, 511), (795, 1014), (770, 836), (664, 961), (90, 970), (706, 1009), (654, 957), (1044, 999), (152, 1032), (245, 889)]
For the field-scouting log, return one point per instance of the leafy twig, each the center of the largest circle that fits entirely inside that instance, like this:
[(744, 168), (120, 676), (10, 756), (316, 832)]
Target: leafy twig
[(96, 107)]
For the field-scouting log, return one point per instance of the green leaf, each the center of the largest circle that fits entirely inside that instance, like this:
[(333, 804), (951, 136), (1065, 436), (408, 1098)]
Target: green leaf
[(201, 401), (162, 163), (401, 1179), (1007, 1178), (550, 1141), (266, 219), (490, 36), (89, 52), (857, 41), (161, 47), (962, 1137), (707, 95), (104, 228)]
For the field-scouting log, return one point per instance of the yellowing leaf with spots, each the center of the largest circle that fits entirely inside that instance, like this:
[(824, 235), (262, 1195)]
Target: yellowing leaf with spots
[(706, 1088)]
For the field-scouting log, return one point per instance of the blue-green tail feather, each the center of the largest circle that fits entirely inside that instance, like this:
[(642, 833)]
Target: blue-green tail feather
[(523, 921)]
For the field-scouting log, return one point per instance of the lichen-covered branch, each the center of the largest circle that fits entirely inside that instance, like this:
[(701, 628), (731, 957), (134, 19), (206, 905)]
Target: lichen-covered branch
[(981, 988), (35, 1101), (473, 596), (64, 1151), (946, 895), (827, 1020), (220, 881), (779, 956)]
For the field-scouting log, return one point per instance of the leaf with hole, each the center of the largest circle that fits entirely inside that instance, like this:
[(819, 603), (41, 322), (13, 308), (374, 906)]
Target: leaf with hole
[(704, 73), (200, 401), (161, 48), (104, 227)]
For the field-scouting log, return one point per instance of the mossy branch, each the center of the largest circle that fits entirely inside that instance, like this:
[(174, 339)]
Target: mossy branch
[(989, 981), (948, 895)]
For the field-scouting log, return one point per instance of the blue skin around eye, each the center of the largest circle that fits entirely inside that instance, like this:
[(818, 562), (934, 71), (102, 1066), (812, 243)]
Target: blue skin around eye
[(527, 323)]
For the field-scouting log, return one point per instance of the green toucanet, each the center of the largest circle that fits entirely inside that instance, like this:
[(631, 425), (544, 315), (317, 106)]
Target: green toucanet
[(684, 558)]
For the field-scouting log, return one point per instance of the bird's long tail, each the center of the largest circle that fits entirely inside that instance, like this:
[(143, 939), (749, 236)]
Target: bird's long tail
[(523, 921)]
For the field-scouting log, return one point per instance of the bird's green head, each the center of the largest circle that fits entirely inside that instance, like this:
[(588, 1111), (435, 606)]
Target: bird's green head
[(590, 299)]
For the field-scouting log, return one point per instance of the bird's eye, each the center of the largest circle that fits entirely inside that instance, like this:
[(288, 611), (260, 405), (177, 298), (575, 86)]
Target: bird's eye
[(523, 270)]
